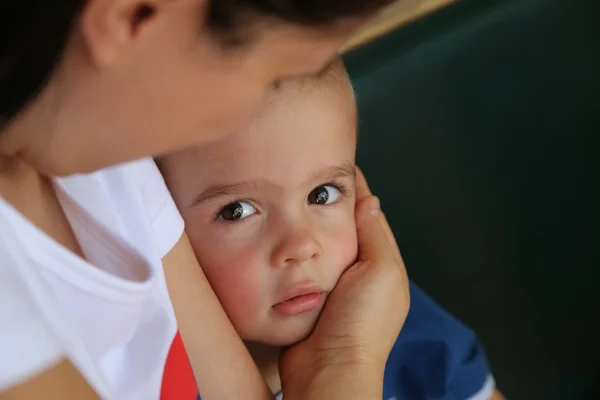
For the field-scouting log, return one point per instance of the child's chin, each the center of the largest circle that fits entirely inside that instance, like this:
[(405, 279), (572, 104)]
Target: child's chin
[(288, 336)]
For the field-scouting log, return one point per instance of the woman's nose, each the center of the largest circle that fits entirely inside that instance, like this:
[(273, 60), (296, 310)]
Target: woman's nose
[(296, 248)]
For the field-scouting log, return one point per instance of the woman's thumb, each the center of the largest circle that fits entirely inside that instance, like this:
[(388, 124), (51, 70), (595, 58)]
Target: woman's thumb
[(373, 244)]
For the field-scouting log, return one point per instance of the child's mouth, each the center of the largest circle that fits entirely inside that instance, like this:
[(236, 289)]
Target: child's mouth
[(300, 304)]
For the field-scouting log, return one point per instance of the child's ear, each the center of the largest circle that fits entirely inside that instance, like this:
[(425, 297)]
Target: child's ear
[(111, 28)]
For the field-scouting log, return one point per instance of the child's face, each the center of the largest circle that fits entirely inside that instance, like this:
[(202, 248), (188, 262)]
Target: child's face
[(270, 212)]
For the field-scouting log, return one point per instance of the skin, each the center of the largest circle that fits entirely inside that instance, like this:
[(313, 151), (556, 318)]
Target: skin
[(284, 240)]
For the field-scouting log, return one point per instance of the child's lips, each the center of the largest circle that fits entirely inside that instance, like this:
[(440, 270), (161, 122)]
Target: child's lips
[(300, 304), (300, 299)]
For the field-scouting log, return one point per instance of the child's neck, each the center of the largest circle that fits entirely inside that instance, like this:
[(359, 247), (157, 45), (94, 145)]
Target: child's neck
[(267, 360)]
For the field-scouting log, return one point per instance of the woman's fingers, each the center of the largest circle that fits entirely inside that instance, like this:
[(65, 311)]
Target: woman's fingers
[(391, 238), (366, 207), (373, 243), (362, 187)]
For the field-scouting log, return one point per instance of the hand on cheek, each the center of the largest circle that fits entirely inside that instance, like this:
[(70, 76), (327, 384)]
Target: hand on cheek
[(364, 314)]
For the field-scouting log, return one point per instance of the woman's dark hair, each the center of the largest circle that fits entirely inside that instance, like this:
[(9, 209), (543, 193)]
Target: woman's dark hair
[(33, 33)]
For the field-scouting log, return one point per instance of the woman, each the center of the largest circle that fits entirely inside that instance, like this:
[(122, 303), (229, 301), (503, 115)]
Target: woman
[(87, 309)]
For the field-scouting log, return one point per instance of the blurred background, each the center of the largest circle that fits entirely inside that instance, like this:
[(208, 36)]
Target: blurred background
[(479, 126)]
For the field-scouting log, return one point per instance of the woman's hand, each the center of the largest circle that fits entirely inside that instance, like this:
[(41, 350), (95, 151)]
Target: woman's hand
[(345, 355)]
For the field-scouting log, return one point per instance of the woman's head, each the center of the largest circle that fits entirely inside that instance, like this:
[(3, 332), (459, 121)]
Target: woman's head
[(85, 84)]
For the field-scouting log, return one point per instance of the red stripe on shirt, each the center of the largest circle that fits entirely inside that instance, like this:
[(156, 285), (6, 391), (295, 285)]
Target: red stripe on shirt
[(178, 379)]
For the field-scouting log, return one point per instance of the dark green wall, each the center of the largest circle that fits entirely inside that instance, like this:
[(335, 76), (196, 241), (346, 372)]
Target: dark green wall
[(479, 130)]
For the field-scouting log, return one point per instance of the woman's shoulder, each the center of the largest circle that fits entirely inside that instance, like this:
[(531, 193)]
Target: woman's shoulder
[(29, 343), (115, 216), (132, 199)]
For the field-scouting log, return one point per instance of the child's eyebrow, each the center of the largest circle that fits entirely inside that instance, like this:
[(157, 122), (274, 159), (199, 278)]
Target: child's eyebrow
[(335, 172), (219, 190)]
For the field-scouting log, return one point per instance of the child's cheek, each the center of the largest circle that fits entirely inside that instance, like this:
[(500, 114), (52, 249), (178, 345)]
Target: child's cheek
[(343, 248), (236, 276), (349, 247), (237, 288)]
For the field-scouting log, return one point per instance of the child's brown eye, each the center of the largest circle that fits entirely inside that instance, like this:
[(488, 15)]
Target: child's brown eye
[(324, 195), (236, 211)]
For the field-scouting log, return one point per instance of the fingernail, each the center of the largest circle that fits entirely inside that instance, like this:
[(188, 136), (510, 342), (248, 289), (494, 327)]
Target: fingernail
[(375, 206)]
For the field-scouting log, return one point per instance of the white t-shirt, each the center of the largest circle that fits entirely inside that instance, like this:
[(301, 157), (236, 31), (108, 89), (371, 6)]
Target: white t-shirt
[(110, 315)]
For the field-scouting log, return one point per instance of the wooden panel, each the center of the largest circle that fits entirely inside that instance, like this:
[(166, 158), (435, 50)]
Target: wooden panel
[(393, 16)]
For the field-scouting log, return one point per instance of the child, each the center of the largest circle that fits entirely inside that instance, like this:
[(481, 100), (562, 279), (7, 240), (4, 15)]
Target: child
[(270, 214)]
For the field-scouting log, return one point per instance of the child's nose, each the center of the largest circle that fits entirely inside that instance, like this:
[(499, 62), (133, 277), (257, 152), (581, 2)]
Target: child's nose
[(296, 248)]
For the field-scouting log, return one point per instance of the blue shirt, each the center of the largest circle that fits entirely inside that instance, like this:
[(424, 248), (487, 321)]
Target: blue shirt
[(436, 357)]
